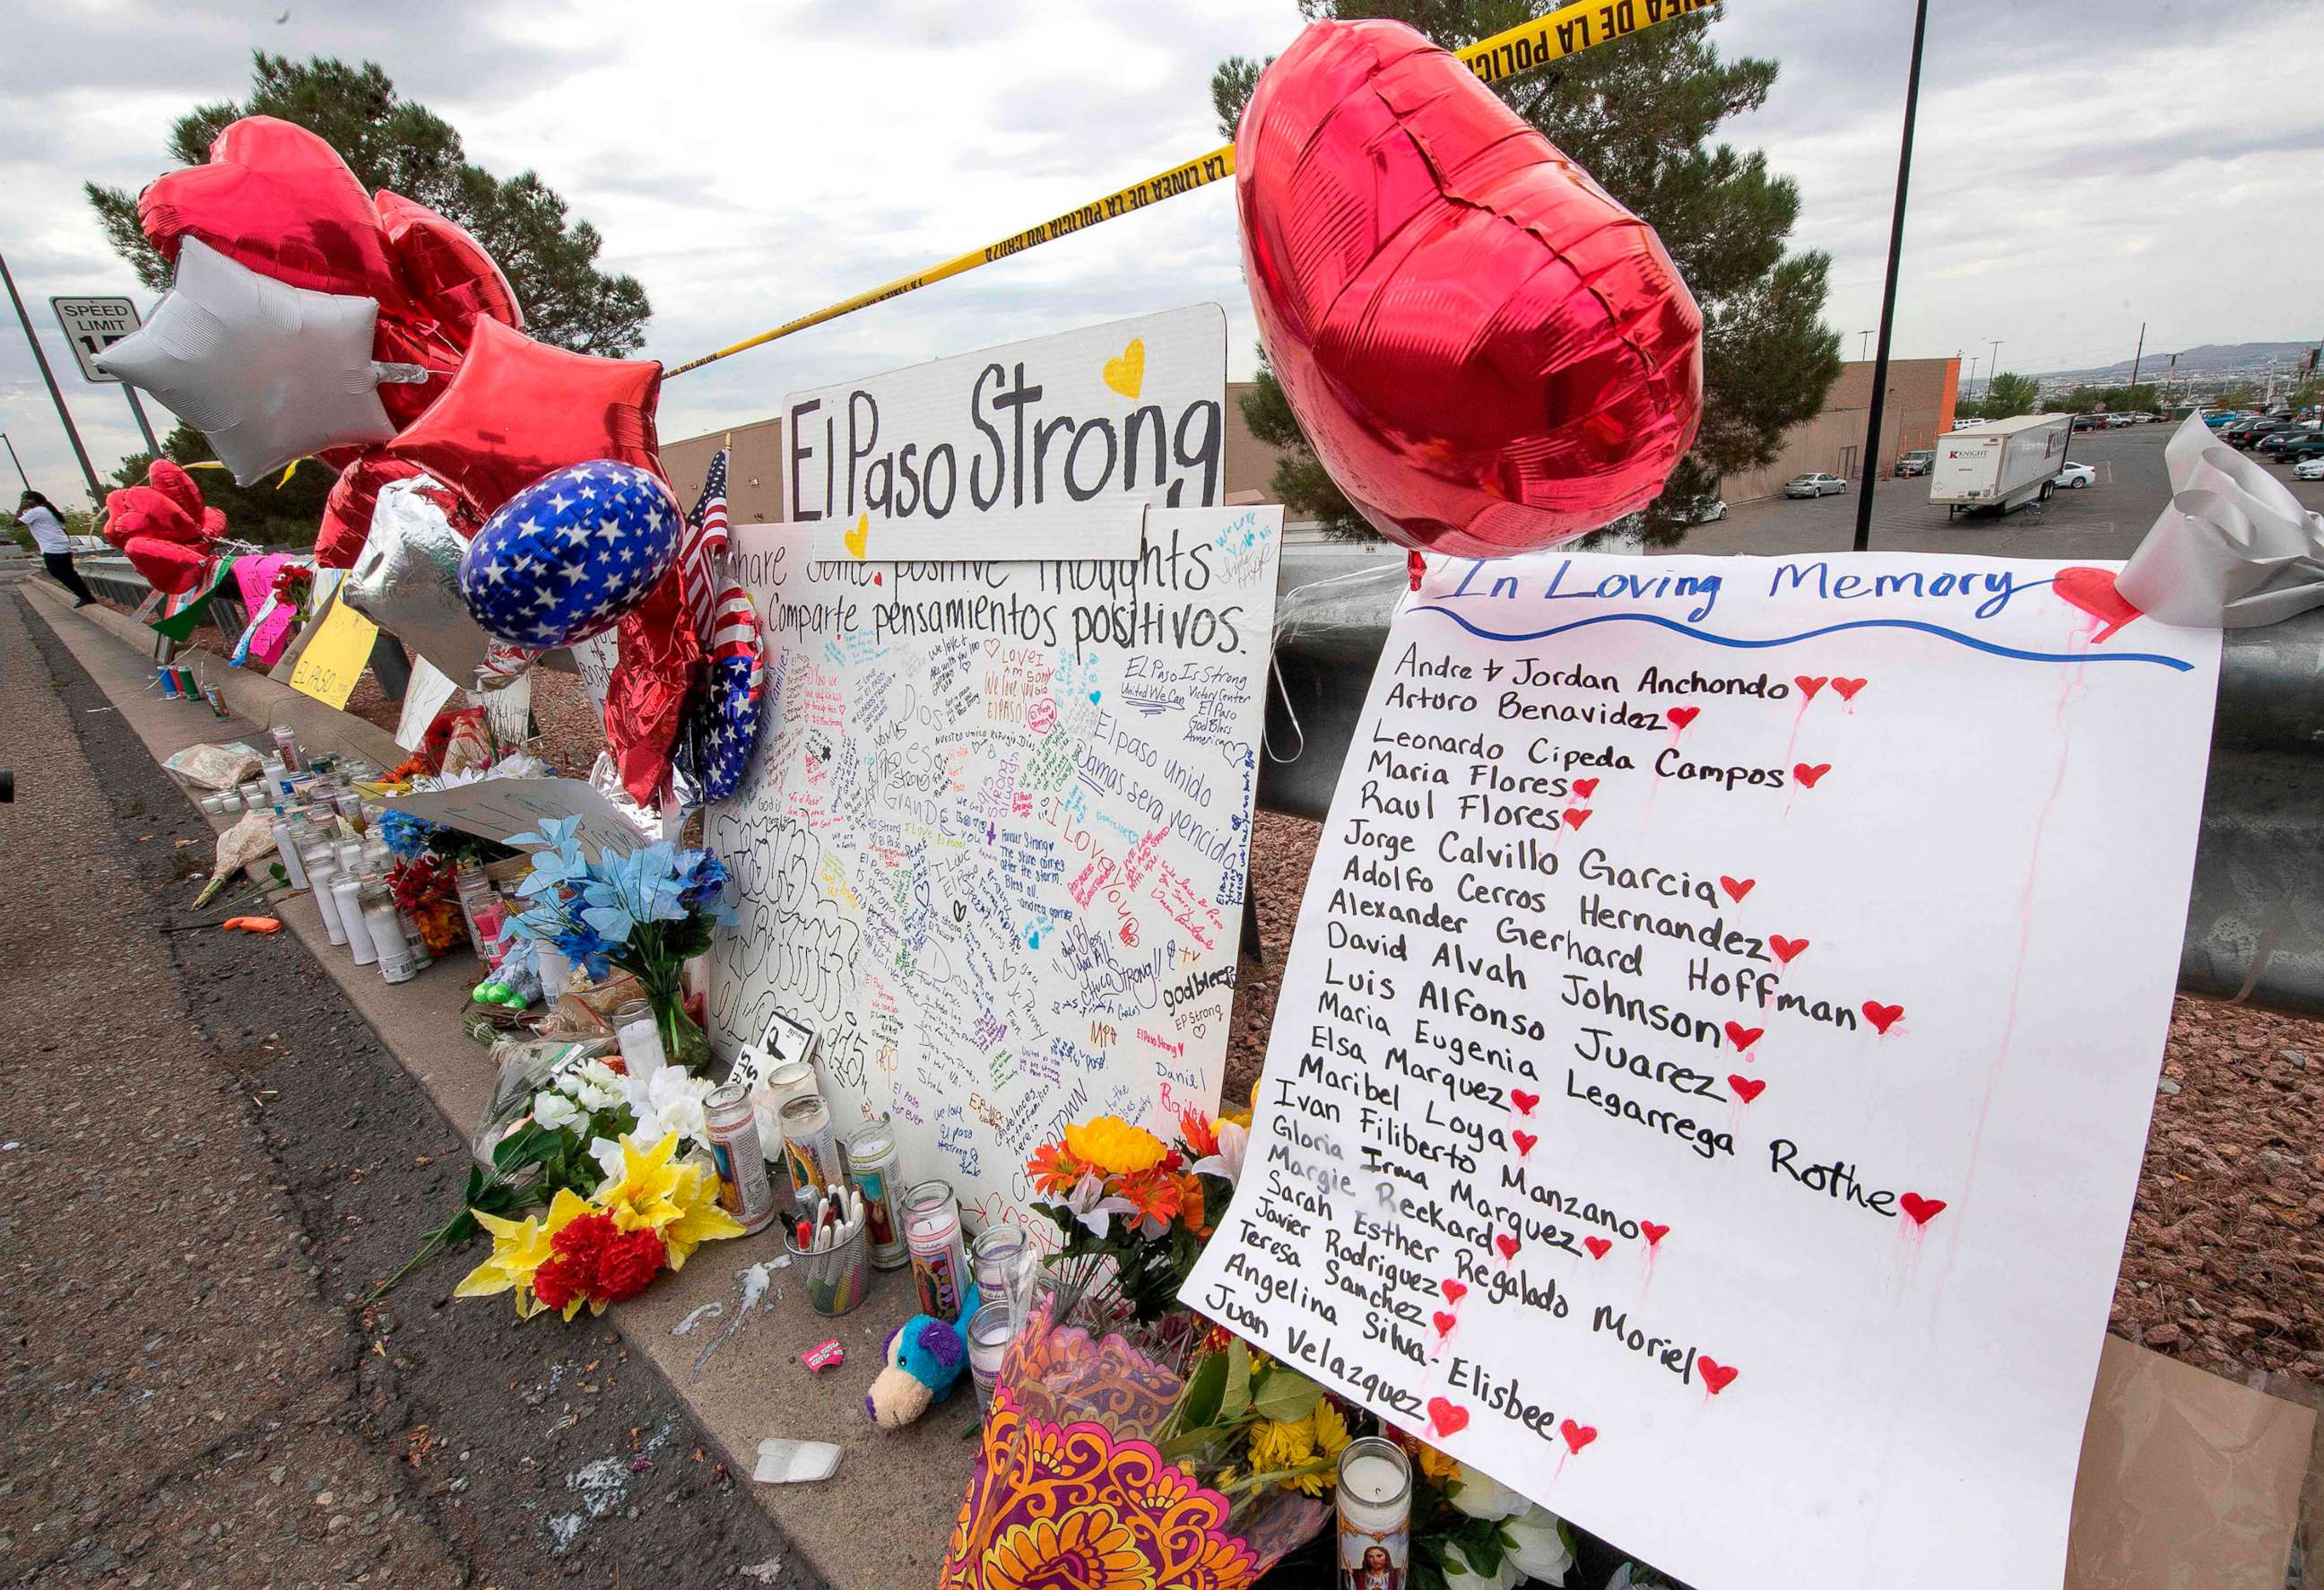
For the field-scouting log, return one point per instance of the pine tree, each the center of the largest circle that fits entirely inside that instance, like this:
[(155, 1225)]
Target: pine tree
[(1640, 115), (389, 141)]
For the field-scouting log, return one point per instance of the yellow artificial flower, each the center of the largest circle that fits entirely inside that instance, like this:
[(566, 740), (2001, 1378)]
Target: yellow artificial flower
[(1089, 1547), (1274, 1446), (519, 1247), (1331, 1429), (641, 1196), (701, 1218), (1437, 1465), (1114, 1146)]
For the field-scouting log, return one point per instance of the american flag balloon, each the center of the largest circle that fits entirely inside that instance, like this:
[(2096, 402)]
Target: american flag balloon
[(566, 557), (723, 716)]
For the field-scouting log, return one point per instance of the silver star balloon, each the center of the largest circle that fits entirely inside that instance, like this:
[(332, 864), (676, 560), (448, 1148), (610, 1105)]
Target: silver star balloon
[(407, 581), (267, 373)]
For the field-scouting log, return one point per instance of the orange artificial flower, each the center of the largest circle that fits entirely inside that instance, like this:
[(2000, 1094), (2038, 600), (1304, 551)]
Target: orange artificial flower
[(1202, 1134), (1152, 1195), (1053, 1169)]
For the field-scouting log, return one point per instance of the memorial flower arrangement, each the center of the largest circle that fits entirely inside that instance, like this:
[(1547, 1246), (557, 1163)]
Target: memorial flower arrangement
[(649, 1216), (1133, 1212), (1472, 1532), (647, 911), (411, 837), (294, 587), (424, 889)]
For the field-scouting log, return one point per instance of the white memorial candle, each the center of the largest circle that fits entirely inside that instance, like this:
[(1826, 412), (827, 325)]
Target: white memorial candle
[(640, 1039), (1375, 1511)]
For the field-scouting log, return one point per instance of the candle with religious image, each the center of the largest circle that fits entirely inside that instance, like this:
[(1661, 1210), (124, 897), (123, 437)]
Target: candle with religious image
[(1375, 1515)]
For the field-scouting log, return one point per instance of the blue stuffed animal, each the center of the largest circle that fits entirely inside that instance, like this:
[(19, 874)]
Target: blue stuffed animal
[(925, 1357)]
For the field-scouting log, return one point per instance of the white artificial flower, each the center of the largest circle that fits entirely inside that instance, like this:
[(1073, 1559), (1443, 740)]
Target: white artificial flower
[(607, 1152), (596, 1085), (554, 1111), (1096, 1212), (1480, 1495), (1459, 1576), (1234, 1140), (1536, 1547), (670, 1101)]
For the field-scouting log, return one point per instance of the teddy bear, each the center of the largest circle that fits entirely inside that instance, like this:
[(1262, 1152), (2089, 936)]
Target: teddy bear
[(924, 1359)]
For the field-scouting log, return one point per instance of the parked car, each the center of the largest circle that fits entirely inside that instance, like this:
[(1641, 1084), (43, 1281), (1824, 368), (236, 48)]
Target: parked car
[(1916, 462), (2307, 447), (2117, 421), (1707, 511), (2090, 421), (2074, 477), (2311, 467), (2278, 444), (1814, 485)]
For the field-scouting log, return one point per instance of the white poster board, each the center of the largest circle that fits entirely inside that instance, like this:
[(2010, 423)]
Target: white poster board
[(1035, 439), (994, 840), (499, 808), (1711, 1073)]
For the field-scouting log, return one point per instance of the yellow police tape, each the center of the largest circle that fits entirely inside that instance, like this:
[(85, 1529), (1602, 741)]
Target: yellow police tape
[(1537, 43)]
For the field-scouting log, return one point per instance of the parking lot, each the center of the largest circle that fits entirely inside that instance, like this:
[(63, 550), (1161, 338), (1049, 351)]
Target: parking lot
[(2104, 520)]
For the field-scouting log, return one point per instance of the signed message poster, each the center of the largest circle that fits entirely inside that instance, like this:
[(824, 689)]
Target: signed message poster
[(994, 842), (1712, 1069)]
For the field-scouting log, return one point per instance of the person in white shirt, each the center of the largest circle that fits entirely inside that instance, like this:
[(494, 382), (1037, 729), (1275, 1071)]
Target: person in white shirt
[(36, 514)]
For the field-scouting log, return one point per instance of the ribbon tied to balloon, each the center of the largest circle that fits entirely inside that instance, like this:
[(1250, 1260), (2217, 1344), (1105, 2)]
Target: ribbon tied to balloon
[(1489, 353)]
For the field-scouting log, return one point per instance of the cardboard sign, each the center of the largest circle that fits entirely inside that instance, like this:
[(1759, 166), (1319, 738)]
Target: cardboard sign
[(335, 656), (994, 841), (1710, 1074), (500, 809), (929, 461)]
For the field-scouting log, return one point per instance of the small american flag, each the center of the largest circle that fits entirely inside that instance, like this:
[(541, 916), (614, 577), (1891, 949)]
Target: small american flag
[(702, 559)]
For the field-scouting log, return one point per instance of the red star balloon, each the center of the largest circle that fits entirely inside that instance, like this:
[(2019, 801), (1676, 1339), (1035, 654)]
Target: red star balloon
[(518, 409), (1489, 353), (164, 527)]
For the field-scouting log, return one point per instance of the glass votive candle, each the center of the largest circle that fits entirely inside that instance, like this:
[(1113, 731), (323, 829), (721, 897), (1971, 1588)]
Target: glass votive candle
[(998, 1261), (640, 1038), (989, 1331), (1375, 1512)]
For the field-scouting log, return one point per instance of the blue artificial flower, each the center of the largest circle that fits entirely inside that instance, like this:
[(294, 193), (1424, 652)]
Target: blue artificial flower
[(405, 834)]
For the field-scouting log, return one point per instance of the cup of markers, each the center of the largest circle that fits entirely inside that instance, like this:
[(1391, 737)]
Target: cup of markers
[(832, 1252)]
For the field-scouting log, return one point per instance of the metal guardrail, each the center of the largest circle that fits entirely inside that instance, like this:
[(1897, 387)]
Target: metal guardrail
[(2254, 924), (115, 579)]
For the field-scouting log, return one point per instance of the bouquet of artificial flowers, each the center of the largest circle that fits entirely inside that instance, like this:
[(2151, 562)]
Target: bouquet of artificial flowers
[(1133, 1212), (647, 911)]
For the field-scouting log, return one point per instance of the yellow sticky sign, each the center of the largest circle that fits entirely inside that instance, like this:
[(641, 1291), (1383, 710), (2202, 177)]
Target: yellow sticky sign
[(335, 657)]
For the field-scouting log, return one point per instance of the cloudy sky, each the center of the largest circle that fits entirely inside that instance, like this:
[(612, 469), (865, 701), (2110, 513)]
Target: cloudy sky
[(2081, 166)]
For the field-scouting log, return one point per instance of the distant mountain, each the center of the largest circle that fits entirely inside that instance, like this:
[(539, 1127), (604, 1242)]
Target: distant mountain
[(2211, 359)]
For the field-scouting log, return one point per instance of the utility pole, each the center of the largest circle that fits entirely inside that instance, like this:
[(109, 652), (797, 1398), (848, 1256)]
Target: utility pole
[(2138, 357), (1864, 349), (1993, 366), (95, 495), (1888, 295)]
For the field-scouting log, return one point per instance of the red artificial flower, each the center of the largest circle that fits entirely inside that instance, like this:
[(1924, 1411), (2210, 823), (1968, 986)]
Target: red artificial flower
[(1054, 1171), (627, 1264), (580, 1243), (558, 1282)]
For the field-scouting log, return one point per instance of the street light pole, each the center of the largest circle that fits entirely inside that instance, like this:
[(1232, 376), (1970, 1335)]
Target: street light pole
[(1888, 296), (13, 458), (1993, 366), (41, 359), (2140, 355)]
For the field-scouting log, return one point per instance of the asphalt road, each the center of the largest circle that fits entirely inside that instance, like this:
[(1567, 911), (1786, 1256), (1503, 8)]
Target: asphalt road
[(2106, 520), (206, 1158)]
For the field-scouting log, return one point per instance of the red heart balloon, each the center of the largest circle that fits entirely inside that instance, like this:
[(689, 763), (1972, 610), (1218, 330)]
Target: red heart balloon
[(279, 199), (1489, 353)]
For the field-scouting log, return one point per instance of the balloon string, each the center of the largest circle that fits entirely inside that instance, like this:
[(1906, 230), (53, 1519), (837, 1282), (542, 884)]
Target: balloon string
[(1528, 46)]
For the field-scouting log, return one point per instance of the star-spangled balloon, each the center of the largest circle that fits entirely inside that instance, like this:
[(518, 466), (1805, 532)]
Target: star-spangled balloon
[(564, 558), (729, 723)]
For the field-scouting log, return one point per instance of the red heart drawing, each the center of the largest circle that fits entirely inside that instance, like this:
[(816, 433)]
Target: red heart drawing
[(1585, 788), (1508, 1245), (1882, 1016), (1575, 816), (1716, 1376), (1746, 1088), (1655, 1234), (1922, 1210), (1787, 950), (1848, 687), (1444, 1322), (1808, 687), (1453, 1291), (2092, 590), (1737, 888), (1809, 775), (1681, 717), (1743, 1037), (879, 578), (1598, 1245), (1525, 1142), (1577, 1436), (1523, 1101), (1445, 1418)]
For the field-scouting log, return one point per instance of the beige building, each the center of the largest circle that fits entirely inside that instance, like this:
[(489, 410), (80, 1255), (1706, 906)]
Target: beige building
[(1921, 393)]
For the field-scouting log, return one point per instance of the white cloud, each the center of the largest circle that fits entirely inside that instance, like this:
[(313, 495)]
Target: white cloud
[(2081, 166)]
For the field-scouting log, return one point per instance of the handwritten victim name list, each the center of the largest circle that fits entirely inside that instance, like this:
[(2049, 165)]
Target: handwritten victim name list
[(1709, 1078)]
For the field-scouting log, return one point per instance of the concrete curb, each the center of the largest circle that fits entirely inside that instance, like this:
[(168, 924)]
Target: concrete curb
[(883, 1520)]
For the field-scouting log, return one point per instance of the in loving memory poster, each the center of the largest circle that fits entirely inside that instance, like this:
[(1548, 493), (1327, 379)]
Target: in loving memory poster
[(1712, 1070)]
